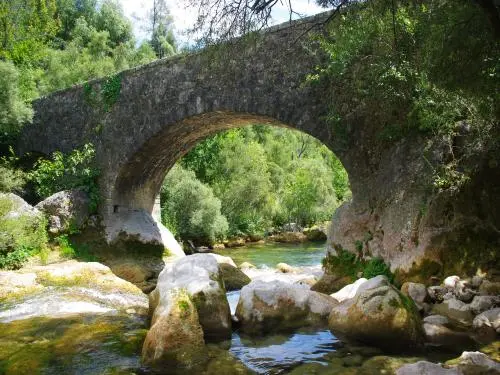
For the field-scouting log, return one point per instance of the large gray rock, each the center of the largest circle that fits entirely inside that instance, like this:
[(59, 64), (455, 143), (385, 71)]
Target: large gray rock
[(483, 303), (487, 324), (19, 206), (378, 315), (279, 306), (138, 225), (426, 368), (188, 307), (417, 292), (441, 335), (475, 363), (66, 210), (455, 310)]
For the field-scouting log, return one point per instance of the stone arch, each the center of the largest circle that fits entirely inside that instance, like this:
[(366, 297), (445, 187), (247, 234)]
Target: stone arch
[(139, 179)]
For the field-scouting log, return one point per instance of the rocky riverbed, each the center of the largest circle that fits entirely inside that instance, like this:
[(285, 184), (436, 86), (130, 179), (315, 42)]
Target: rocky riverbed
[(79, 318)]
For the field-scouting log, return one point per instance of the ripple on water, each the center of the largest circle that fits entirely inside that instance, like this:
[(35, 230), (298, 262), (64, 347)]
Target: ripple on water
[(277, 353)]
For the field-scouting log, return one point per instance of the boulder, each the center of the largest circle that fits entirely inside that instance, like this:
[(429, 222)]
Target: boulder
[(246, 266), (487, 324), (329, 284), (188, 307), (349, 291), (455, 310), (19, 207), (199, 275), (234, 278), (426, 368), (475, 363), (222, 259), (439, 335), (66, 210), (285, 268), (489, 288), (176, 336), (138, 226), (417, 292), (483, 303), (378, 315), (315, 234), (476, 281), (279, 306), (218, 246)]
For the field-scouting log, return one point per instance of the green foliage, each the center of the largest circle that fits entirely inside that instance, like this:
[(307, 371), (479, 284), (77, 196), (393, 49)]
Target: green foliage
[(71, 250), (12, 179), (108, 94), (68, 171), (21, 236), (412, 67), (14, 111), (190, 209), (346, 263), (266, 176), (377, 266)]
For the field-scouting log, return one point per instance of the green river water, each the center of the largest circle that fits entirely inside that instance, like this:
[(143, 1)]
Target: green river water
[(111, 343)]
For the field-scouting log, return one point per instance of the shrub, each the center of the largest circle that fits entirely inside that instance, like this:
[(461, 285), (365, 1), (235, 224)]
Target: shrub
[(68, 171), (346, 263), (190, 209), (20, 236), (375, 267)]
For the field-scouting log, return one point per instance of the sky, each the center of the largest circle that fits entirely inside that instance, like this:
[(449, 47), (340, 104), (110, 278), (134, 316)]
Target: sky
[(185, 18)]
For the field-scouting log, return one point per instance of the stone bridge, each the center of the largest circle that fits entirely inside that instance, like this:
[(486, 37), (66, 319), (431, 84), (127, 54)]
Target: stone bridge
[(142, 122)]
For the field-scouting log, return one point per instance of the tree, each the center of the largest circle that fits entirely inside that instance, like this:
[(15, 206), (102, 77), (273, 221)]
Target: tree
[(190, 209), (160, 24), (25, 28), (14, 111), (223, 19)]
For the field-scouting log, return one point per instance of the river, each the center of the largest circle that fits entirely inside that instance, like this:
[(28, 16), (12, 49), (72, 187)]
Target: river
[(104, 343)]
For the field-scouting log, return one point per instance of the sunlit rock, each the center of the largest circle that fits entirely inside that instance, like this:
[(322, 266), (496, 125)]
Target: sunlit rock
[(285, 268), (66, 210), (67, 288), (140, 226), (378, 315), (349, 291), (279, 306), (188, 306)]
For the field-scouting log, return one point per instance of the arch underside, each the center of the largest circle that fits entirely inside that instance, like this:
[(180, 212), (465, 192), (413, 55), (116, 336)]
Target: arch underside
[(139, 180)]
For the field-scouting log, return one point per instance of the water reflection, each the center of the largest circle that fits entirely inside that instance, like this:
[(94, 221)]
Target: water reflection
[(274, 354)]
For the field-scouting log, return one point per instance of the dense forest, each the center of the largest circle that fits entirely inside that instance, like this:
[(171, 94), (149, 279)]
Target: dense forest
[(247, 181)]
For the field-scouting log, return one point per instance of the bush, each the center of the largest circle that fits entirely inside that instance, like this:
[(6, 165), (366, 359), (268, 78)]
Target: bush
[(11, 180), (190, 209), (20, 236), (68, 171), (346, 263)]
